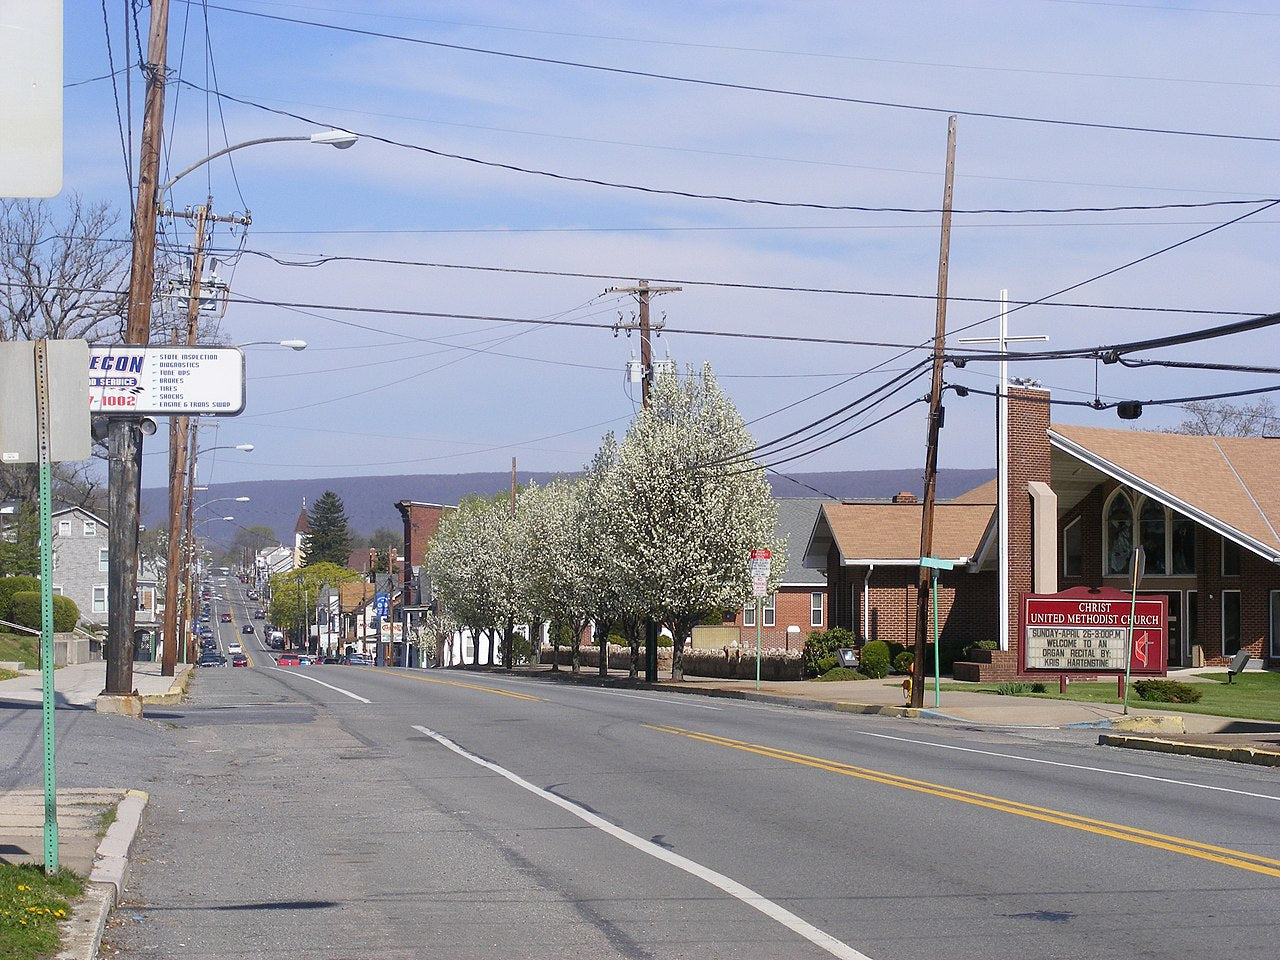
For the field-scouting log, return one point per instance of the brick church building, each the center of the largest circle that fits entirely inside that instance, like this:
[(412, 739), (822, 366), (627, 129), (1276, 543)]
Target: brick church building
[(1206, 511)]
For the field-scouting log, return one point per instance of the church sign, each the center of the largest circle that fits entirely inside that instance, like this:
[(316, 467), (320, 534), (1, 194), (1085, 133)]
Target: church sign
[(1085, 630)]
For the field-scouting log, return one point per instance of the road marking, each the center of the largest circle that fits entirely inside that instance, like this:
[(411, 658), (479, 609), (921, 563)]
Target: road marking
[(617, 693), (345, 693), (458, 683), (1148, 838), (1071, 766), (737, 890)]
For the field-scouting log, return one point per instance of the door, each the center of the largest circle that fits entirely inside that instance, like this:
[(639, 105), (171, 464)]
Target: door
[(1176, 641)]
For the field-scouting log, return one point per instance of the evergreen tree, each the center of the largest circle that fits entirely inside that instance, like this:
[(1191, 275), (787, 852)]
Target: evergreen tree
[(330, 538)]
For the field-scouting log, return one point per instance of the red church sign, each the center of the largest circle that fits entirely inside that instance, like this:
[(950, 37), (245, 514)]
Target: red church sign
[(1083, 630)]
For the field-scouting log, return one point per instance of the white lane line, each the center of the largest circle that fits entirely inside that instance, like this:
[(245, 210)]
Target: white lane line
[(745, 894), (1069, 766), (345, 693)]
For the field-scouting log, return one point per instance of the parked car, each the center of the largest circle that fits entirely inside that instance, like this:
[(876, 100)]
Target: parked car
[(239, 660), (224, 618), (359, 660), (289, 660)]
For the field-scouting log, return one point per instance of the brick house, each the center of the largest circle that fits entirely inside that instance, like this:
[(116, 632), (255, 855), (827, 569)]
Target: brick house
[(1205, 509), (421, 521), (871, 552), (800, 603)]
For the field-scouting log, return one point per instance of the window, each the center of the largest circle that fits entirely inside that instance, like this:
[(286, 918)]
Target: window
[(1119, 531), (1151, 527), (53, 557), (1230, 558), (749, 614), (103, 559), (1073, 549), (769, 605), (1230, 622), (91, 528), (99, 599), (1275, 624), (815, 609), (1183, 544), (64, 528)]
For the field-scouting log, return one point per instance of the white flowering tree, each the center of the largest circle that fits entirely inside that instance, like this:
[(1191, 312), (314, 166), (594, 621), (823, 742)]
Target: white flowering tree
[(682, 512), (472, 566), (561, 573)]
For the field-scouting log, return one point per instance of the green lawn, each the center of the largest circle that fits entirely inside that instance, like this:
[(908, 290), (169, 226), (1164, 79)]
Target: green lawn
[(31, 906), (24, 647), (1251, 696)]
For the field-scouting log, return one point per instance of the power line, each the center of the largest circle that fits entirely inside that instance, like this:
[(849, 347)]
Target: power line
[(744, 87), (725, 198)]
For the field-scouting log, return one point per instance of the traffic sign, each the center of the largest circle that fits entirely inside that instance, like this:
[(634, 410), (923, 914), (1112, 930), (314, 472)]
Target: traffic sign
[(130, 381), (759, 565), (382, 604)]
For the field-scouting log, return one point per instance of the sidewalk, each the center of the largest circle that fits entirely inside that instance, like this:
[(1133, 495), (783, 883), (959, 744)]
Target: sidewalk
[(78, 685)]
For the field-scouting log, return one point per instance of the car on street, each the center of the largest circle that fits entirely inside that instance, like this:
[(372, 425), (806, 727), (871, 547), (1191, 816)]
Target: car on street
[(234, 647), (224, 618), (239, 660), (359, 660), (247, 628), (211, 660), (288, 660), (259, 614)]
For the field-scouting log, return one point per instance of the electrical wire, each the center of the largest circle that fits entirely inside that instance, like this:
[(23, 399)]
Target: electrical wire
[(749, 88), (726, 198)]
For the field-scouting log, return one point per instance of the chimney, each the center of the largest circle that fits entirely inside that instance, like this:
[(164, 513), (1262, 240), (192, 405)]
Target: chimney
[(906, 496)]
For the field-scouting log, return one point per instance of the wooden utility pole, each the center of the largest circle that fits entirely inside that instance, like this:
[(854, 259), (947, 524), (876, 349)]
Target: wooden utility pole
[(124, 470), (642, 292), (935, 424)]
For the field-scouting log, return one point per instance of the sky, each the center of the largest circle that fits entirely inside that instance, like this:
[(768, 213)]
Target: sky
[(781, 162)]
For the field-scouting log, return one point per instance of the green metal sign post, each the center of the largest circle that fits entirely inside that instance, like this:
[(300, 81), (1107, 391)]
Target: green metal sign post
[(933, 564), (46, 607)]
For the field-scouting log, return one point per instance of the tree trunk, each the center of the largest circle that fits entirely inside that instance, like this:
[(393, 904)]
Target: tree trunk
[(680, 631), (506, 643), (575, 650), (602, 631), (555, 645), (632, 628), (493, 646)]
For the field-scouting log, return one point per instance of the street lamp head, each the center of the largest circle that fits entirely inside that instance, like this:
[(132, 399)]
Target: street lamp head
[(294, 344), (241, 499), (246, 447), (335, 138)]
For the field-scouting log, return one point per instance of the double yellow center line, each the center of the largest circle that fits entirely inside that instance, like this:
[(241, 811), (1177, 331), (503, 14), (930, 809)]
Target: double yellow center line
[(1147, 838), (458, 683)]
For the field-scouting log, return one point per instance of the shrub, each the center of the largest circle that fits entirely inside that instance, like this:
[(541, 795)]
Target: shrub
[(1013, 689), (978, 645), (840, 673), (826, 665), (1039, 688), (822, 645), (11, 585), (1166, 691), (875, 659), (902, 662), (24, 608)]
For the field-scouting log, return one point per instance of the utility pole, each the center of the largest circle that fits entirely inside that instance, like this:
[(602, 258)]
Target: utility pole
[(642, 292), (190, 552), (124, 434), (923, 583)]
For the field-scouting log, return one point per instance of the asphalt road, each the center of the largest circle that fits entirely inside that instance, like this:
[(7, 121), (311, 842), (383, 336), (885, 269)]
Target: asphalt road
[(344, 812)]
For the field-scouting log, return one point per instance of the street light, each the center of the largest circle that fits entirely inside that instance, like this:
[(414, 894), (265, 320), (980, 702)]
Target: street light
[(334, 138), (291, 344)]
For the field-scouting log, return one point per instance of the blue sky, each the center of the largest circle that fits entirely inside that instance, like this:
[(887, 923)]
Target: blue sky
[(440, 390)]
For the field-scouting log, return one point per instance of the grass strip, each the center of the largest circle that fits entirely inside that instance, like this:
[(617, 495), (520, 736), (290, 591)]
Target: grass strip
[(31, 907)]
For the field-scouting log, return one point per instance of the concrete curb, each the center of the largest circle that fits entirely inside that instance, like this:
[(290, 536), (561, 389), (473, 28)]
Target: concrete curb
[(177, 690), (83, 931), (1266, 758)]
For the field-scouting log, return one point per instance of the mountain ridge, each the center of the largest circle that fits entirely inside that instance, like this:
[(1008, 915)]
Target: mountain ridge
[(370, 501)]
